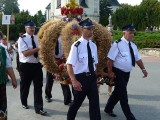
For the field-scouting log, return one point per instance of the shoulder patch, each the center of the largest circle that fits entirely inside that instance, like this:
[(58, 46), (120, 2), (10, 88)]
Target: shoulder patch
[(77, 44), (117, 41), (23, 36)]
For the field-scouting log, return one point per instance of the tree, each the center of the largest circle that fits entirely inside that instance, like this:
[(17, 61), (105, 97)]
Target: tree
[(21, 18), (145, 15), (105, 10), (39, 18), (9, 6), (151, 9), (122, 16)]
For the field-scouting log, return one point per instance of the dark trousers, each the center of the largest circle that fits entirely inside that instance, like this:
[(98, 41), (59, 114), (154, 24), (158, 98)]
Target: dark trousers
[(89, 89), (120, 94), (3, 98), (65, 89), (31, 72), (17, 61)]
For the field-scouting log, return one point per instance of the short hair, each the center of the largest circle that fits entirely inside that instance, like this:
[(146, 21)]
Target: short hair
[(1, 35)]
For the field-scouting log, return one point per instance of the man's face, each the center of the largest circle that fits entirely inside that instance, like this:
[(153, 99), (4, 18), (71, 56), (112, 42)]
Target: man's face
[(4, 40), (129, 35), (87, 32), (30, 30)]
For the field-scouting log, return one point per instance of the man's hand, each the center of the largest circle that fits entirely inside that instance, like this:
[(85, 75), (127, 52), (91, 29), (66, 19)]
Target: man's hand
[(111, 74), (14, 84), (145, 73), (76, 85)]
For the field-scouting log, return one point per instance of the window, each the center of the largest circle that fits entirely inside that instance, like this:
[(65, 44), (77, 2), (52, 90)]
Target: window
[(58, 4), (83, 3)]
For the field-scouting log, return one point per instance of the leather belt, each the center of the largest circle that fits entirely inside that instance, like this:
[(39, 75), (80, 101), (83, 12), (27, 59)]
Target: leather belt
[(85, 73)]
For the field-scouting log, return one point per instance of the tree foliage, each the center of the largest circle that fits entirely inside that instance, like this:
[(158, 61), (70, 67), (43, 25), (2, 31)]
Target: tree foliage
[(9, 6), (145, 15), (105, 10)]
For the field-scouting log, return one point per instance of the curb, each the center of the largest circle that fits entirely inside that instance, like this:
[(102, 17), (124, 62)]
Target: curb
[(150, 52)]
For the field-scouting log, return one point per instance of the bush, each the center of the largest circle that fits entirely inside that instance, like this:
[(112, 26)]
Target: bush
[(143, 39)]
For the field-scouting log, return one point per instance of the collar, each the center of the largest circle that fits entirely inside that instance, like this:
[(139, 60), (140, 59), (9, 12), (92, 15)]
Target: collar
[(84, 40), (28, 35), (125, 40)]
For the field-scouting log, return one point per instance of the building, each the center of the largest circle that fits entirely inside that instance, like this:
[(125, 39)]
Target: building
[(48, 12), (91, 8), (115, 5)]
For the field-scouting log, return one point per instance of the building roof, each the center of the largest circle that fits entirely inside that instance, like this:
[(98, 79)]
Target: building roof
[(115, 3), (48, 6)]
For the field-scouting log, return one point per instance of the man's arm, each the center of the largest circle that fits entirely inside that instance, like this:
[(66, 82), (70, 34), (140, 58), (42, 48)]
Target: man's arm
[(12, 76), (30, 52), (76, 84), (141, 65), (110, 65)]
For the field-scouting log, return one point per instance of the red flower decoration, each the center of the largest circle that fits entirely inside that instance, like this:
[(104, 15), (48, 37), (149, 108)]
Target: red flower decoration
[(72, 11), (80, 11)]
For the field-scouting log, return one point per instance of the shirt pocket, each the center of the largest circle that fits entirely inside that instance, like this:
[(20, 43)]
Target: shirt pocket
[(83, 58), (125, 56)]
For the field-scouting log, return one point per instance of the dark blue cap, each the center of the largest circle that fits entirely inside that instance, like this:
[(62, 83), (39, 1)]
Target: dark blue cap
[(29, 23), (87, 23), (128, 28)]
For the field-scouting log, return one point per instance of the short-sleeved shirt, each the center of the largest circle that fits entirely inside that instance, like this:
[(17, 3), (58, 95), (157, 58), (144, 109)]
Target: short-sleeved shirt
[(120, 54), (78, 56), (8, 60), (25, 43)]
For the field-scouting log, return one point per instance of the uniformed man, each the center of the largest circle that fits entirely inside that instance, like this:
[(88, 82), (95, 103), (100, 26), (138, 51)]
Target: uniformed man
[(81, 66), (122, 57), (30, 68), (58, 54)]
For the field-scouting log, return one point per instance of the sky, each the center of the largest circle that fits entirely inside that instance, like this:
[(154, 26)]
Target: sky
[(35, 5)]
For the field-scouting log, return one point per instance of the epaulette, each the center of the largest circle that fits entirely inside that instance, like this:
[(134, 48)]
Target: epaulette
[(117, 41), (77, 44), (23, 36)]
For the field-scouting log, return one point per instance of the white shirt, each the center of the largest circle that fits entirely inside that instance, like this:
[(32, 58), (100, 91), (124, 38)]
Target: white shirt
[(120, 54), (60, 54), (8, 59), (25, 43), (78, 56)]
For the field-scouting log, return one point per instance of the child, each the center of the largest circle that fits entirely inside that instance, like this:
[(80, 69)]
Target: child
[(5, 68)]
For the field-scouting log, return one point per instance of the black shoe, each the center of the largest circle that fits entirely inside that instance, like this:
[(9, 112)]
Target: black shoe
[(48, 99), (41, 112), (67, 102), (111, 114), (25, 106)]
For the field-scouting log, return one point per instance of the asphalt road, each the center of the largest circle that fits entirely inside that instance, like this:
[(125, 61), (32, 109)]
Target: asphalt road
[(144, 98)]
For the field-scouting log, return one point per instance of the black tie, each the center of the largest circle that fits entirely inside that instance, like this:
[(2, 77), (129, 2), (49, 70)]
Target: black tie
[(90, 59), (34, 46), (57, 48), (132, 54)]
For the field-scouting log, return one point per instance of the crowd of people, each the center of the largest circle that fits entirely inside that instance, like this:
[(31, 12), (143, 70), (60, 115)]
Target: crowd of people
[(152, 29), (81, 67)]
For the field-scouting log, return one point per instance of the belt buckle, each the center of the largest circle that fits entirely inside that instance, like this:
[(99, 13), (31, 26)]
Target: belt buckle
[(88, 73)]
